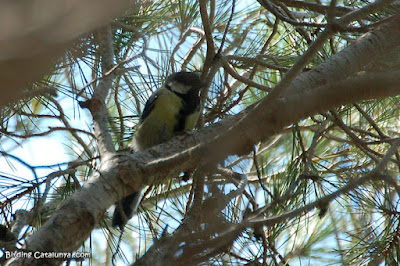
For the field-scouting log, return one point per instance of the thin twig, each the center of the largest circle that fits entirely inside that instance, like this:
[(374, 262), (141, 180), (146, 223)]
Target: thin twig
[(209, 38), (227, 27)]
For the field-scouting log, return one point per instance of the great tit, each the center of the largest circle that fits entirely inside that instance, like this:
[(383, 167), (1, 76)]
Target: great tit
[(172, 109)]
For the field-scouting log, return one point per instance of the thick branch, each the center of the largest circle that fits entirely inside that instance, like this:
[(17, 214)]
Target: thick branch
[(33, 35), (344, 64)]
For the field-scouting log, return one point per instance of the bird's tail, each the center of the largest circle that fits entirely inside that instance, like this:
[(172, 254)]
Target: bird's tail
[(125, 209)]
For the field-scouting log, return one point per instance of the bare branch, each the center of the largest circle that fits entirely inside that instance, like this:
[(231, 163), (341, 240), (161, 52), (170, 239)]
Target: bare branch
[(97, 104), (209, 38)]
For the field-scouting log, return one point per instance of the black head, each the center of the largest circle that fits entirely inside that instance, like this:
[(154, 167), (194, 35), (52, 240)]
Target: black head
[(183, 82)]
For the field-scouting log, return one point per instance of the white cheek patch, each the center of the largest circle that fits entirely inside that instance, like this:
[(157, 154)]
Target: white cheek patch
[(179, 87)]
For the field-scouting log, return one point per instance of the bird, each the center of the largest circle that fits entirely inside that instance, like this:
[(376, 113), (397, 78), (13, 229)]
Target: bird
[(171, 110)]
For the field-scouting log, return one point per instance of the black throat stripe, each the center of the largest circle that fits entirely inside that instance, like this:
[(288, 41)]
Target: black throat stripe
[(191, 102)]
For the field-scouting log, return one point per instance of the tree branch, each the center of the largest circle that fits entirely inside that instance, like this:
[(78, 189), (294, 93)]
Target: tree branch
[(97, 104), (33, 40)]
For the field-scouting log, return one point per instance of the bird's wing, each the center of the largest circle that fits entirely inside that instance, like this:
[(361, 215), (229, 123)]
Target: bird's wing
[(150, 105)]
